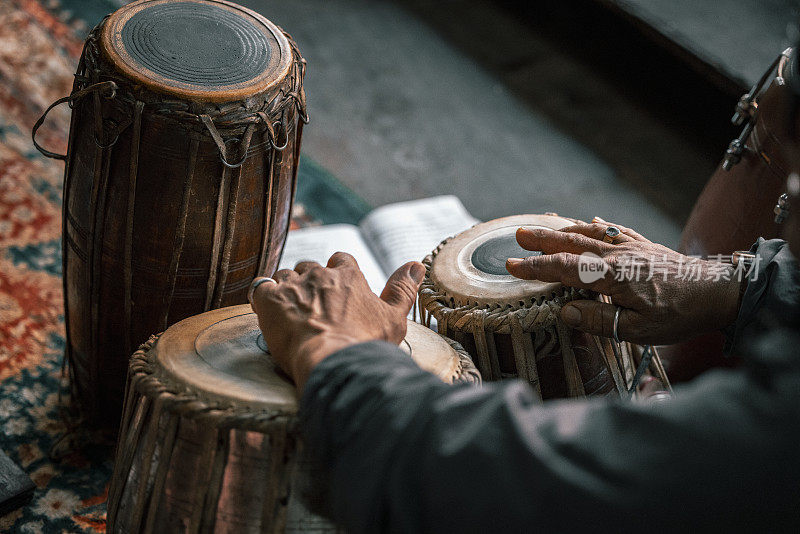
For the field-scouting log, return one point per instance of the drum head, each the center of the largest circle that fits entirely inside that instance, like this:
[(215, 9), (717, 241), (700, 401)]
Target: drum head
[(431, 352), (222, 355), (470, 267), (203, 50)]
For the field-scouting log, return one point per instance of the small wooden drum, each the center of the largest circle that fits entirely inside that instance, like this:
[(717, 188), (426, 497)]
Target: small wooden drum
[(180, 174), (510, 326), (208, 441)]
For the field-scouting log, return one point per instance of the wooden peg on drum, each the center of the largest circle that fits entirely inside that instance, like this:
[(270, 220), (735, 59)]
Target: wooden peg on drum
[(180, 174)]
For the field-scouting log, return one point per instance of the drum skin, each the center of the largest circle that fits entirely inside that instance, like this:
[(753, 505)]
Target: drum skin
[(156, 227), (733, 211), (209, 440)]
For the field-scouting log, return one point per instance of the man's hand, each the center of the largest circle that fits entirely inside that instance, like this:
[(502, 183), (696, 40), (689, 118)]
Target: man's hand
[(664, 309), (313, 311)]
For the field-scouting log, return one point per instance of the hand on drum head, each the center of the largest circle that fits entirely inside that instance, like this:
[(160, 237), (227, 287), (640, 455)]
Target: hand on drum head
[(313, 311), (664, 296)]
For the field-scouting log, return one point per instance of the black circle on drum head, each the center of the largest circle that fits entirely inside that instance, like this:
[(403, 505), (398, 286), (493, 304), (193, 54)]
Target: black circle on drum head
[(262, 343), (196, 43), (490, 257)]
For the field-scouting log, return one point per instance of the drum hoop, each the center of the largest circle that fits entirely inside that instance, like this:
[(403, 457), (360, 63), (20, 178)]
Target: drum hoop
[(231, 117), (149, 378), (144, 377), (466, 372), (533, 317), (464, 285), (534, 313), (141, 74)]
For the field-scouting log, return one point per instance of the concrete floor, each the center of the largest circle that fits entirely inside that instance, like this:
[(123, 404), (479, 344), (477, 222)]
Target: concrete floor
[(398, 113), (739, 37)]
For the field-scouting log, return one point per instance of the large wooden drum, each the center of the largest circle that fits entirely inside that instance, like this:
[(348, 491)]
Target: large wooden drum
[(180, 173), (737, 204), (209, 441), (511, 327)]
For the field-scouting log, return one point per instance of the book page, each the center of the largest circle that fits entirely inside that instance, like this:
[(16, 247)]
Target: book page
[(409, 231), (318, 243)]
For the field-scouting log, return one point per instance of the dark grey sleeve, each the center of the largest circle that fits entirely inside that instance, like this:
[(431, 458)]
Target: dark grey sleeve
[(772, 296), (407, 453)]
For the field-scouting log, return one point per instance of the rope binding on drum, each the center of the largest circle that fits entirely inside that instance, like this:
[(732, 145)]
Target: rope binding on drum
[(146, 377), (533, 313)]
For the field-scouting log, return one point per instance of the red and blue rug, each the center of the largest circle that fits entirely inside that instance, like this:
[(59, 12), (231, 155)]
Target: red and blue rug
[(40, 42)]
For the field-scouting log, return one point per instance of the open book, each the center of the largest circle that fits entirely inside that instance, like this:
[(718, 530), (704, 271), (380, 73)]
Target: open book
[(385, 239)]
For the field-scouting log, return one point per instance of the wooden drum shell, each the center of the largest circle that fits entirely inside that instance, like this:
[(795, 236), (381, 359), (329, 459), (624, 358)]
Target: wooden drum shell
[(586, 367), (156, 228), (207, 476), (551, 371)]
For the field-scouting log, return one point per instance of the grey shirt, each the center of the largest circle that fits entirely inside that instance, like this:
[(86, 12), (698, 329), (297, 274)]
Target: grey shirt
[(403, 452)]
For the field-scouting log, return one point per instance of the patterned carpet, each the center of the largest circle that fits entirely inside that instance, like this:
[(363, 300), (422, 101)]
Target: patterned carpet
[(38, 54)]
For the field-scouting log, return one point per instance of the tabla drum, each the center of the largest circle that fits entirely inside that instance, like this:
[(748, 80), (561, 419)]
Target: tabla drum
[(209, 441), (737, 204), (180, 174), (511, 327)]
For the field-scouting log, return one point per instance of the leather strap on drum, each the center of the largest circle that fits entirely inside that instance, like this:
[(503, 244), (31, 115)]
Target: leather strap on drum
[(467, 372), (108, 87), (132, 173), (647, 355), (525, 355), (487, 352), (180, 230), (220, 142), (273, 137), (230, 224), (226, 207), (572, 373)]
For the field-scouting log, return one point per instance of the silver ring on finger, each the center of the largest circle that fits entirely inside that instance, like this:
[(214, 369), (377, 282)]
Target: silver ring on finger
[(257, 281), (612, 233), (616, 324)]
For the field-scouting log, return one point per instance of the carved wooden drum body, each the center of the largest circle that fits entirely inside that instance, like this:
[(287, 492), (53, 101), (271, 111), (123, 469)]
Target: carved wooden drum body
[(180, 174), (209, 442), (511, 326)]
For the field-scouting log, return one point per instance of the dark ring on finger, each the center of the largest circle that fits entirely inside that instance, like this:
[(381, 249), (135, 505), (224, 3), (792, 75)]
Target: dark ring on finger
[(612, 232)]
